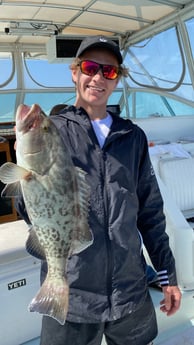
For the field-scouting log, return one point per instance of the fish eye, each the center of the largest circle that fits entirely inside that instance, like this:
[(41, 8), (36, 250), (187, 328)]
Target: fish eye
[(45, 128)]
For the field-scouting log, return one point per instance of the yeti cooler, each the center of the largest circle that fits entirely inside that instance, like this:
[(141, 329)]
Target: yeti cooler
[(19, 282)]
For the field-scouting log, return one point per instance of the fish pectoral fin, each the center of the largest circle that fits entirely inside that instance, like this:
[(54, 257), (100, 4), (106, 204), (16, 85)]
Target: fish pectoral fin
[(33, 245), (11, 173), (11, 190)]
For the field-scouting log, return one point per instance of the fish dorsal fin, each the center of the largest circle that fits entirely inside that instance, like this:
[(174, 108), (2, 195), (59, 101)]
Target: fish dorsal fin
[(82, 236), (83, 192), (11, 173)]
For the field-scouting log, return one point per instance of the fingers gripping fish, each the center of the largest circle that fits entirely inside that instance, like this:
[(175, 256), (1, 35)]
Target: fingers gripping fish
[(56, 197)]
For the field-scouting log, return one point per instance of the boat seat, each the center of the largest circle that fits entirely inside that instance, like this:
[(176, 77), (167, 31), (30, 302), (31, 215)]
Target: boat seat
[(175, 177), (178, 176)]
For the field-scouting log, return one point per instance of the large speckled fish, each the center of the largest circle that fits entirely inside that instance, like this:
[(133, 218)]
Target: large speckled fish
[(56, 198)]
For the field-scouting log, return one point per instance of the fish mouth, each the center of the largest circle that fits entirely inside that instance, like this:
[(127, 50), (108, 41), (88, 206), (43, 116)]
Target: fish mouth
[(28, 117)]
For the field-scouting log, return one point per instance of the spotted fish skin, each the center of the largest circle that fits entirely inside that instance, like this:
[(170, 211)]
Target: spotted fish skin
[(56, 197)]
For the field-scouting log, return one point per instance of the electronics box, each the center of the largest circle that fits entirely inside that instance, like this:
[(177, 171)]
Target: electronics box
[(61, 49)]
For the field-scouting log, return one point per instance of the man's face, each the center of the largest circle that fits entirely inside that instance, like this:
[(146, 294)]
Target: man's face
[(94, 90)]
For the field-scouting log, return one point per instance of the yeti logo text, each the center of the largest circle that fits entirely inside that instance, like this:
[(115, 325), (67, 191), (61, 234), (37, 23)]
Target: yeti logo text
[(16, 284)]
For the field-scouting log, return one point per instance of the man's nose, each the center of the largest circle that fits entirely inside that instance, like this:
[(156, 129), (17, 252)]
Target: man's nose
[(99, 74)]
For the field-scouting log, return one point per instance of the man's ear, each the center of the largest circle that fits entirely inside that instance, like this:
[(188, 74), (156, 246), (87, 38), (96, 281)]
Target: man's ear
[(74, 76)]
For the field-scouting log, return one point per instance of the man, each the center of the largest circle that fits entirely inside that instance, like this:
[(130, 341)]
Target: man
[(108, 286)]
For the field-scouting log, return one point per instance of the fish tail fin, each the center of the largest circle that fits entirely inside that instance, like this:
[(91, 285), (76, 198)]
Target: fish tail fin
[(52, 299)]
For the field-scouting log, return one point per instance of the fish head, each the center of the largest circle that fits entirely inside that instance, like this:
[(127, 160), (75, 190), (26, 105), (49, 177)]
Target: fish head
[(34, 138)]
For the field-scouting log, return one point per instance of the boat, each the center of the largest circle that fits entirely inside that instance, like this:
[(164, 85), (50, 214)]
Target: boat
[(38, 40)]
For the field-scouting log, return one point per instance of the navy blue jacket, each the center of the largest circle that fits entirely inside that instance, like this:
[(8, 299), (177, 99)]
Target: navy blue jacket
[(108, 279)]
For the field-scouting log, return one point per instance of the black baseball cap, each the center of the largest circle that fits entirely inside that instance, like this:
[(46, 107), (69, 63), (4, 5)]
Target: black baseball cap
[(100, 42)]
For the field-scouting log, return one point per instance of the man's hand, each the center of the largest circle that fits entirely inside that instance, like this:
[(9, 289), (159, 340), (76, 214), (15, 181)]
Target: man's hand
[(172, 300)]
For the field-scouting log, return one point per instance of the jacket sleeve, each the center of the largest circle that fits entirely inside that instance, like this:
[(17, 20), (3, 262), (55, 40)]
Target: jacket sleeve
[(151, 220)]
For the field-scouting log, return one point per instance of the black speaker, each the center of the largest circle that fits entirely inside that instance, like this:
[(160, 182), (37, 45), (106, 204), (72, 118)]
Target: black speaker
[(60, 49)]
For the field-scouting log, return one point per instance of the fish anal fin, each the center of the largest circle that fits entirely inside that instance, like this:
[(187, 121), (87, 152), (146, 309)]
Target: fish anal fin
[(82, 238)]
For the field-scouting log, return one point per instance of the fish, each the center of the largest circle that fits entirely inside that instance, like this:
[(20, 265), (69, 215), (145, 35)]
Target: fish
[(56, 196)]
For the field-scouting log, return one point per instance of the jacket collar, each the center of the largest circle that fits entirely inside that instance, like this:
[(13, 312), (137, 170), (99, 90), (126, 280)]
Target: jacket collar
[(118, 128), (80, 116)]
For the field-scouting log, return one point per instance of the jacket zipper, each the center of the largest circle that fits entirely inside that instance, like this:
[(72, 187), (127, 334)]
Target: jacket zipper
[(106, 232)]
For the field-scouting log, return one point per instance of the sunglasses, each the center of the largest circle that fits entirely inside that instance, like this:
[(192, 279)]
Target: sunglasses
[(91, 68)]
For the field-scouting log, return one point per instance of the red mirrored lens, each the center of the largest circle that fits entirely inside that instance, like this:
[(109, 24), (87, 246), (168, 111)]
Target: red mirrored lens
[(110, 72), (91, 68)]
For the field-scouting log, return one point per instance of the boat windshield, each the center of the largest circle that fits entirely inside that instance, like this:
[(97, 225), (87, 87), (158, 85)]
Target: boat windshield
[(160, 82)]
